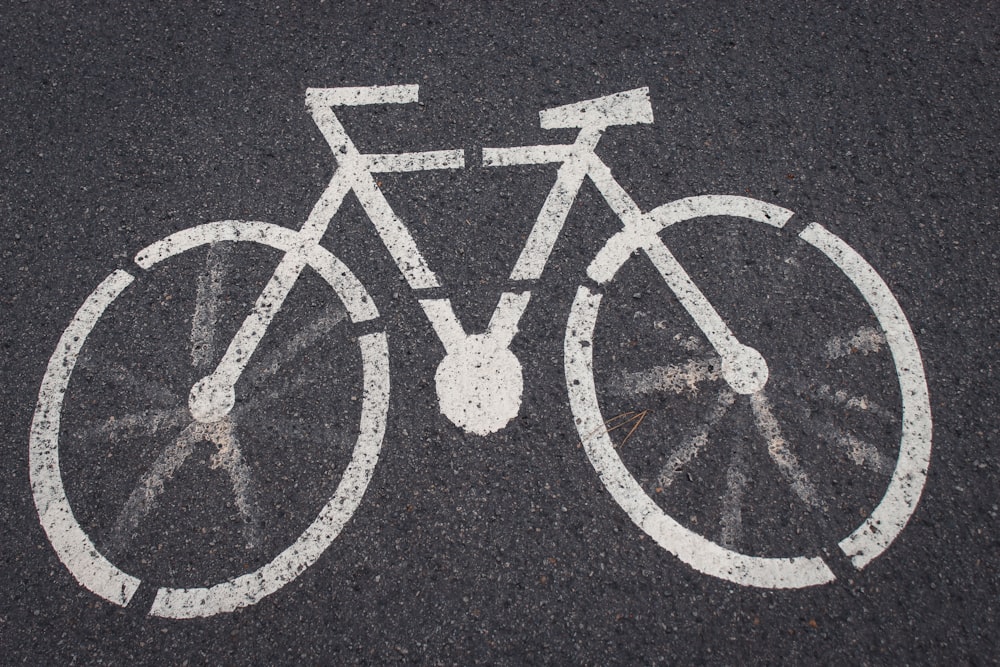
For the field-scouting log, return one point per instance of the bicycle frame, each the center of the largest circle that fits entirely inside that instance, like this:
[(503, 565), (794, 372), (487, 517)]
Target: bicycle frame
[(479, 382)]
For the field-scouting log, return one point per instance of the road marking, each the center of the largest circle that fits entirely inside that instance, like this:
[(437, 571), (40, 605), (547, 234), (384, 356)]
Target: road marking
[(643, 232), (865, 340), (732, 501), (74, 548), (222, 434), (780, 452), (696, 440), (147, 422), (206, 315), (362, 95), (698, 552), (862, 453), (629, 107), (675, 378), (331, 315), (229, 457), (143, 386), (897, 505), (359, 306), (145, 495), (743, 367), (354, 172), (77, 551), (842, 398), (479, 382), (551, 219), (689, 344), (250, 588)]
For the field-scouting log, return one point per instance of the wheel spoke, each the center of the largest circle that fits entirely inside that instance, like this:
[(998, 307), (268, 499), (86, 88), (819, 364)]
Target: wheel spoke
[(288, 386), (148, 422), (782, 455), (325, 322), (695, 440), (732, 501), (841, 398), (142, 386), (861, 452), (229, 457), (675, 378), (146, 494)]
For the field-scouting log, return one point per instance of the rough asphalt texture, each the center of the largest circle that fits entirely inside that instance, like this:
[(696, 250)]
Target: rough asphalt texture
[(121, 127)]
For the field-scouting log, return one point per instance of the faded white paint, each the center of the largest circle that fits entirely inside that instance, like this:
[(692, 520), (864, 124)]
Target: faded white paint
[(674, 379), (865, 340), (863, 453), (781, 453), (690, 344), (206, 308), (213, 396), (149, 422), (732, 500), (331, 315), (743, 367), (857, 403), (696, 440)]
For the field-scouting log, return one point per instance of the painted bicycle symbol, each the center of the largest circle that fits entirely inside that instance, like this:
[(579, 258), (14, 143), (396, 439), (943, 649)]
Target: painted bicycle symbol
[(479, 382)]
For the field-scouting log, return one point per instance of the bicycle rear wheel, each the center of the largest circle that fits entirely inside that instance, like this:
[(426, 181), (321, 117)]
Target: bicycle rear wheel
[(274, 490)]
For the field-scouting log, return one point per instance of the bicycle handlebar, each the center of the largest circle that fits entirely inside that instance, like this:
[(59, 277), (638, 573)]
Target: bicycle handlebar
[(625, 108)]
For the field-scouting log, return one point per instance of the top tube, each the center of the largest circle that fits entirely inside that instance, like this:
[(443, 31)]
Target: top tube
[(578, 161)]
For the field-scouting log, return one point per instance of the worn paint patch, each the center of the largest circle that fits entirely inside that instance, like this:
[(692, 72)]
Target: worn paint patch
[(674, 379), (865, 340)]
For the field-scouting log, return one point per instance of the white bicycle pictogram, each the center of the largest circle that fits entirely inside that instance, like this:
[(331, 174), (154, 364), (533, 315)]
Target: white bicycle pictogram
[(479, 381)]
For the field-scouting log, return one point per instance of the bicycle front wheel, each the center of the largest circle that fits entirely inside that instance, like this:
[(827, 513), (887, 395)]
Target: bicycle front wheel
[(770, 489), (133, 492)]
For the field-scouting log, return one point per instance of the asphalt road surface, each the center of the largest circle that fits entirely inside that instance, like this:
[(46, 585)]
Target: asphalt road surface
[(759, 425)]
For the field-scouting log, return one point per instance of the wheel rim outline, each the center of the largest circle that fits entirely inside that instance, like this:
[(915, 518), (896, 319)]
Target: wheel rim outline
[(72, 545), (890, 516)]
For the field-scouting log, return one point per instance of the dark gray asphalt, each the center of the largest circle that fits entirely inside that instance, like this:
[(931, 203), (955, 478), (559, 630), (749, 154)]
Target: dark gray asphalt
[(120, 127)]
